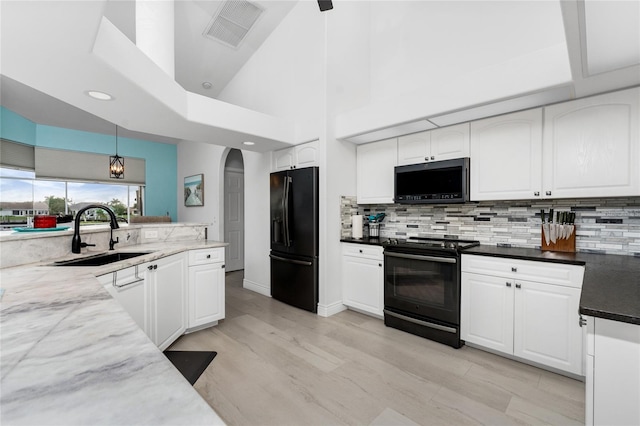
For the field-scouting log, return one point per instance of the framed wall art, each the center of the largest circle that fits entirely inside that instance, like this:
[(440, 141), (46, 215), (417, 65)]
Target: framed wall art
[(194, 190)]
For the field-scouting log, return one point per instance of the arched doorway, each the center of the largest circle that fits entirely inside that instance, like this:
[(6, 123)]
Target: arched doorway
[(234, 210)]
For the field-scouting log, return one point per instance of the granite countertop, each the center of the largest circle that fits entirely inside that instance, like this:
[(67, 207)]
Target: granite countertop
[(611, 285), (72, 355)]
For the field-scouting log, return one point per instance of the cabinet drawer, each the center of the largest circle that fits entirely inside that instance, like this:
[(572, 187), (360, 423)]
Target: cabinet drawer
[(543, 272), (362, 250), (204, 256)]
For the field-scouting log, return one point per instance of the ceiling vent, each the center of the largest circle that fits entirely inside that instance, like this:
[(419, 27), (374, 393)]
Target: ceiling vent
[(233, 21)]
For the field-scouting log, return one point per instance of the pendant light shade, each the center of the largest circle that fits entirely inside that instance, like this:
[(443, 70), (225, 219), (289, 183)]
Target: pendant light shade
[(116, 163)]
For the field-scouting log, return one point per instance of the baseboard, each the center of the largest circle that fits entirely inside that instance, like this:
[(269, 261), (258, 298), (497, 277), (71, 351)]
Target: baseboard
[(526, 361), (258, 288), (332, 309)]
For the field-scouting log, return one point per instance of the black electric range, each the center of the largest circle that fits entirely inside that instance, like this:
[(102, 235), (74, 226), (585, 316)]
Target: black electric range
[(422, 286)]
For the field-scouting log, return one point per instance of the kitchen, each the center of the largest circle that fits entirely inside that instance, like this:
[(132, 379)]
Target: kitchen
[(359, 104)]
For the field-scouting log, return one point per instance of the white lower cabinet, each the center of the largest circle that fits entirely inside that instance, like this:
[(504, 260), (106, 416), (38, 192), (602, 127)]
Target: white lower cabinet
[(536, 320), (172, 295), (128, 286), (168, 290), (613, 373), (206, 287), (363, 278)]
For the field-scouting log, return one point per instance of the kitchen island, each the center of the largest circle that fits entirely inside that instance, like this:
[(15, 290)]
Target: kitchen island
[(72, 355)]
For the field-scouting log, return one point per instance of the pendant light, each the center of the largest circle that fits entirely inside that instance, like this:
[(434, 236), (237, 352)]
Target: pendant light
[(116, 163)]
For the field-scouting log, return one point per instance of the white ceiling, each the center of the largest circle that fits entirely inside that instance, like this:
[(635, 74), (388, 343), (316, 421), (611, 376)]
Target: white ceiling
[(43, 40)]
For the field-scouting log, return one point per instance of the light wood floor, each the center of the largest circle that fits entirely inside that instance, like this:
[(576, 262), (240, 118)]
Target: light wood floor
[(278, 365)]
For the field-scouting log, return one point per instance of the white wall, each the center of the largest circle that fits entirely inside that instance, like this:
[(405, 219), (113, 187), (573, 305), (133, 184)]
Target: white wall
[(257, 275), (195, 158), (431, 57), (284, 77)]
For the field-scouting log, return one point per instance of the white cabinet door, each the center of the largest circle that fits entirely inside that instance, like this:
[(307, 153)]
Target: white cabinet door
[(206, 294), (487, 311), (434, 145), (546, 326), (415, 148), (306, 155), (128, 287), (303, 155), (616, 373), (363, 281), (591, 146), (450, 142), (375, 171), (282, 159), (167, 280), (506, 157)]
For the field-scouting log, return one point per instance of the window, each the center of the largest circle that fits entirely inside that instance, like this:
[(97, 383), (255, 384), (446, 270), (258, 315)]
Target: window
[(23, 195)]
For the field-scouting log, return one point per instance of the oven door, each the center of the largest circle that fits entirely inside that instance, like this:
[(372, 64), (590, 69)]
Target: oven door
[(423, 285)]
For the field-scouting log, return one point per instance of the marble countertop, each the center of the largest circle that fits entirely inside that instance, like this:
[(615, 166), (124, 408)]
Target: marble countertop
[(611, 285), (71, 355)]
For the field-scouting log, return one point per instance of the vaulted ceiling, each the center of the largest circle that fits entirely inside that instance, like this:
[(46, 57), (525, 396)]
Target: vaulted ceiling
[(54, 51)]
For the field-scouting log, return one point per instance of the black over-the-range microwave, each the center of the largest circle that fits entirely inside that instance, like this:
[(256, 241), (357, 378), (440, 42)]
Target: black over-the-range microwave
[(438, 182)]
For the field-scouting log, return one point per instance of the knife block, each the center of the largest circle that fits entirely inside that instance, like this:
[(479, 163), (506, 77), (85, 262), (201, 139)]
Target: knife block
[(564, 245)]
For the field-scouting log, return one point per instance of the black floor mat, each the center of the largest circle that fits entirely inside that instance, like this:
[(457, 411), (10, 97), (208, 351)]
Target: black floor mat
[(190, 363)]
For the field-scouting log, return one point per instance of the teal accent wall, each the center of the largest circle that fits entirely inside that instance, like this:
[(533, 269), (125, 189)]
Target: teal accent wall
[(17, 128), (161, 159)]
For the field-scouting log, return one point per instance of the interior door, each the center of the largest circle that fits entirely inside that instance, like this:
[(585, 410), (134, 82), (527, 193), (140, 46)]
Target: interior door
[(234, 219)]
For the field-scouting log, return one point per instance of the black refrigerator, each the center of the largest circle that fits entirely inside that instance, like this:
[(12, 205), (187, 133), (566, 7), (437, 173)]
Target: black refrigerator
[(294, 237)]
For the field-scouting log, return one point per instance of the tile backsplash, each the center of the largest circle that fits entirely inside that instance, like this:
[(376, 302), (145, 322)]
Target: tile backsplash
[(604, 225)]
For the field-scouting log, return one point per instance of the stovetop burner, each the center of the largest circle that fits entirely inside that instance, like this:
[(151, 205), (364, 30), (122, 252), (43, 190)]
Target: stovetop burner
[(449, 244)]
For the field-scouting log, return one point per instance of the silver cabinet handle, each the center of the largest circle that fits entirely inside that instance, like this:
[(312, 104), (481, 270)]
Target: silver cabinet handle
[(582, 321), (508, 284), (536, 194), (433, 158), (548, 192), (426, 158), (518, 285), (115, 280), (514, 269), (208, 256)]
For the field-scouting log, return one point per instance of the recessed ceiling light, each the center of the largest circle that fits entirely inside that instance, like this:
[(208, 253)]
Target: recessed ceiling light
[(207, 85), (99, 95), (249, 143)]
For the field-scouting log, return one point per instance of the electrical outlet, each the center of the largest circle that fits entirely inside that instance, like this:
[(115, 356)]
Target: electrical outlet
[(150, 234)]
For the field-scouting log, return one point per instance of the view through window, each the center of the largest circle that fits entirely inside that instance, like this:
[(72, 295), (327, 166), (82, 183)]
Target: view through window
[(22, 196)]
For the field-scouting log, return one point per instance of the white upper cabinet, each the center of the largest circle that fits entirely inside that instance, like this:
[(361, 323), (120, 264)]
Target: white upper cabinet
[(375, 171), (303, 155), (415, 148), (591, 147), (434, 145), (506, 157), (587, 148), (450, 142)]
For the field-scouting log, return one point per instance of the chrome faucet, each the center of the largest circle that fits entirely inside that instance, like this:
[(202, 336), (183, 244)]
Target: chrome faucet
[(76, 242)]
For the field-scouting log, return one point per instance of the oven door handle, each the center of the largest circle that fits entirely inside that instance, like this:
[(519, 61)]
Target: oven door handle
[(419, 257), (419, 322)]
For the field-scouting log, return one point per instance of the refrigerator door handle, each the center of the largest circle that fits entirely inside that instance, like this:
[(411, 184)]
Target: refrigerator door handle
[(285, 202), (297, 262)]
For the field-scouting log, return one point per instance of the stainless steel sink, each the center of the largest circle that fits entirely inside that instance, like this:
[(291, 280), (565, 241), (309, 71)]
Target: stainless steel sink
[(100, 259)]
